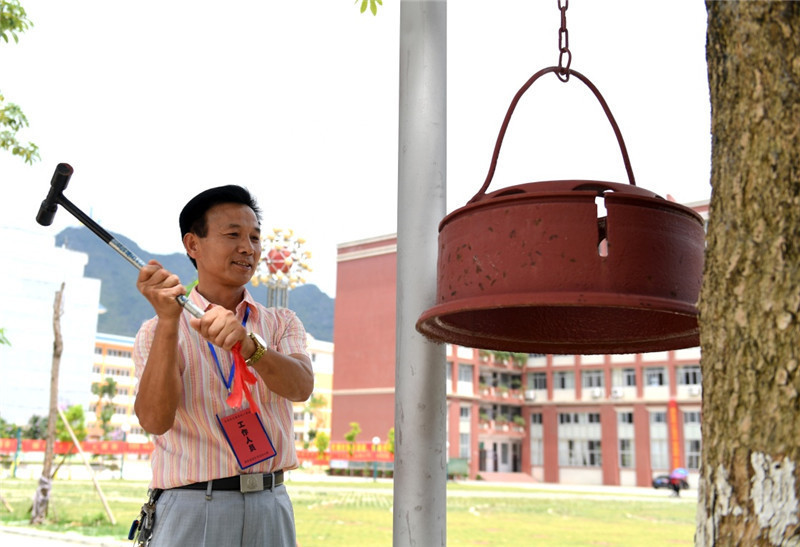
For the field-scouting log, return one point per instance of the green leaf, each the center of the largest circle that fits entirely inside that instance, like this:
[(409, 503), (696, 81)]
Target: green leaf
[(13, 20), (364, 6), (191, 286), (373, 7)]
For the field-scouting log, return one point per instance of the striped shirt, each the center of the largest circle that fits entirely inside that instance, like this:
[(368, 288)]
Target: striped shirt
[(195, 448)]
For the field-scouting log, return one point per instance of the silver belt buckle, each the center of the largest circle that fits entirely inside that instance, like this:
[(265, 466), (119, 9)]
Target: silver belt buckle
[(252, 482)]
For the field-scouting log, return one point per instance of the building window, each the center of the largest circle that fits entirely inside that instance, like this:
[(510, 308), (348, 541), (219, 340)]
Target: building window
[(690, 375), (463, 445), (537, 451), (659, 453), (629, 377), (626, 453), (623, 377), (592, 378), (625, 433), (579, 418), (692, 438), (579, 453), (655, 376), (537, 439), (595, 453), (691, 417), (464, 413), (537, 380), (579, 439), (449, 380), (693, 453), (564, 380), (465, 378)]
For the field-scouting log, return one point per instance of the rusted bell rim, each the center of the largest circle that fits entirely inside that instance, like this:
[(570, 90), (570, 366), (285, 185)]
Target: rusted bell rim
[(561, 300)]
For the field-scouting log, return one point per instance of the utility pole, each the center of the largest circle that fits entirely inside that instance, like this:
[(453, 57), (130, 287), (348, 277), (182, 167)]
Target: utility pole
[(420, 474)]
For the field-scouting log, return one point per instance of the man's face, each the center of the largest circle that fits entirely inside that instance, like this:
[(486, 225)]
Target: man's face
[(230, 252)]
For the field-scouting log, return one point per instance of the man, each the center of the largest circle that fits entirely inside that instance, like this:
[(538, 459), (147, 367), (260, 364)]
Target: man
[(218, 468)]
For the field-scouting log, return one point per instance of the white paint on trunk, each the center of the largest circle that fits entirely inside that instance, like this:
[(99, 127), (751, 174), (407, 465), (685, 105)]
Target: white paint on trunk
[(723, 504), (773, 495)]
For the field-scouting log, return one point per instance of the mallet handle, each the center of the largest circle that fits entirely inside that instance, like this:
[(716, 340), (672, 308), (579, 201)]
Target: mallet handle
[(115, 244)]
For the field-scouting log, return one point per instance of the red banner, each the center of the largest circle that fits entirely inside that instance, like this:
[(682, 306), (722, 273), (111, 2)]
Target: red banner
[(362, 452), (9, 446)]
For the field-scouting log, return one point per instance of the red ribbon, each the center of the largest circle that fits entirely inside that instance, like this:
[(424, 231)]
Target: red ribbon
[(241, 378)]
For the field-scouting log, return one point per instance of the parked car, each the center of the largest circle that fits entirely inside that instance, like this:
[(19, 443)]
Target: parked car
[(662, 481)]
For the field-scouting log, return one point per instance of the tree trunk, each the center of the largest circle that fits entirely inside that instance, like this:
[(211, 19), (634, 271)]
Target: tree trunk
[(41, 499), (750, 298)]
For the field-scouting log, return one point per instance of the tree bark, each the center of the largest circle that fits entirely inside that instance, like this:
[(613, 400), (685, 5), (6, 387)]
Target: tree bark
[(41, 498), (750, 297)]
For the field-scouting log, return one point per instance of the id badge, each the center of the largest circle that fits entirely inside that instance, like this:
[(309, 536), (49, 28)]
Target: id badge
[(247, 437)]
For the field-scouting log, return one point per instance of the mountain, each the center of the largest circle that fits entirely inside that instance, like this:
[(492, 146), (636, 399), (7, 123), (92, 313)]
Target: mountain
[(127, 309)]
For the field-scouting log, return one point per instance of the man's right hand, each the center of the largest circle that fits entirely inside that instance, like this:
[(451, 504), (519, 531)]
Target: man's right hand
[(161, 287)]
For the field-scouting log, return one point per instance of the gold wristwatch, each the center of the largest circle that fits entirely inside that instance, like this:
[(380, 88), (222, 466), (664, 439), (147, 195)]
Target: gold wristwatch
[(261, 348)]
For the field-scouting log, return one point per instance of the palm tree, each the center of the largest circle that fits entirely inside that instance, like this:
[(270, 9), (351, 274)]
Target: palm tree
[(105, 410)]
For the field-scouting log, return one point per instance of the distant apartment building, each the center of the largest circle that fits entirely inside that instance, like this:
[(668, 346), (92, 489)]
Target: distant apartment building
[(599, 419), (113, 359)]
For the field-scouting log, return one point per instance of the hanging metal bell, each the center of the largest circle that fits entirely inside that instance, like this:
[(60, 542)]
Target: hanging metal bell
[(535, 268)]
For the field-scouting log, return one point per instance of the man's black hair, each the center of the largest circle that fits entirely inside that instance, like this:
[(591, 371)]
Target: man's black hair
[(193, 216)]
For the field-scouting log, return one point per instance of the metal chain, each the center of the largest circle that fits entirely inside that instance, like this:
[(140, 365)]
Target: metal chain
[(563, 44)]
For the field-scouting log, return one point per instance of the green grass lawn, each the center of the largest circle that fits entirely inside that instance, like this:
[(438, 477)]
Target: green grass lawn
[(351, 514)]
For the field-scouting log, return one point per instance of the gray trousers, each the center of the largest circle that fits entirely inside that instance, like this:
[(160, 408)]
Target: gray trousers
[(185, 518)]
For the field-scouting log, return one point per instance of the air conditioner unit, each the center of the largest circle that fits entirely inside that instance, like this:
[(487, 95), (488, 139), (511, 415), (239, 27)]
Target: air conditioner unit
[(530, 395), (695, 391), (617, 392), (597, 392)]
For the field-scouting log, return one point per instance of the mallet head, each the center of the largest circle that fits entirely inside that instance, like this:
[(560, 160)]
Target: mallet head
[(49, 206)]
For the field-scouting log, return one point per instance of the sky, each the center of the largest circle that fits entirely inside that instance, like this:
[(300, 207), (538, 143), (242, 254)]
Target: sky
[(152, 102)]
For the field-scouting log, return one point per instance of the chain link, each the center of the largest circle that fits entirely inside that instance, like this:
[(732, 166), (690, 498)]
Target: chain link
[(563, 44)]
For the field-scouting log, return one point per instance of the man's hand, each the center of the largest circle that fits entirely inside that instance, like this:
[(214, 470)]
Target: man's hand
[(161, 287), (222, 328)]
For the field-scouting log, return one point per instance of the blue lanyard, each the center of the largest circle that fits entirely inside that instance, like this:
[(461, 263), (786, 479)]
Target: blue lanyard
[(229, 382)]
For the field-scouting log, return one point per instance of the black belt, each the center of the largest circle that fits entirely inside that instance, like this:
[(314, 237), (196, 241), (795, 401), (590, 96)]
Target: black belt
[(251, 482)]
